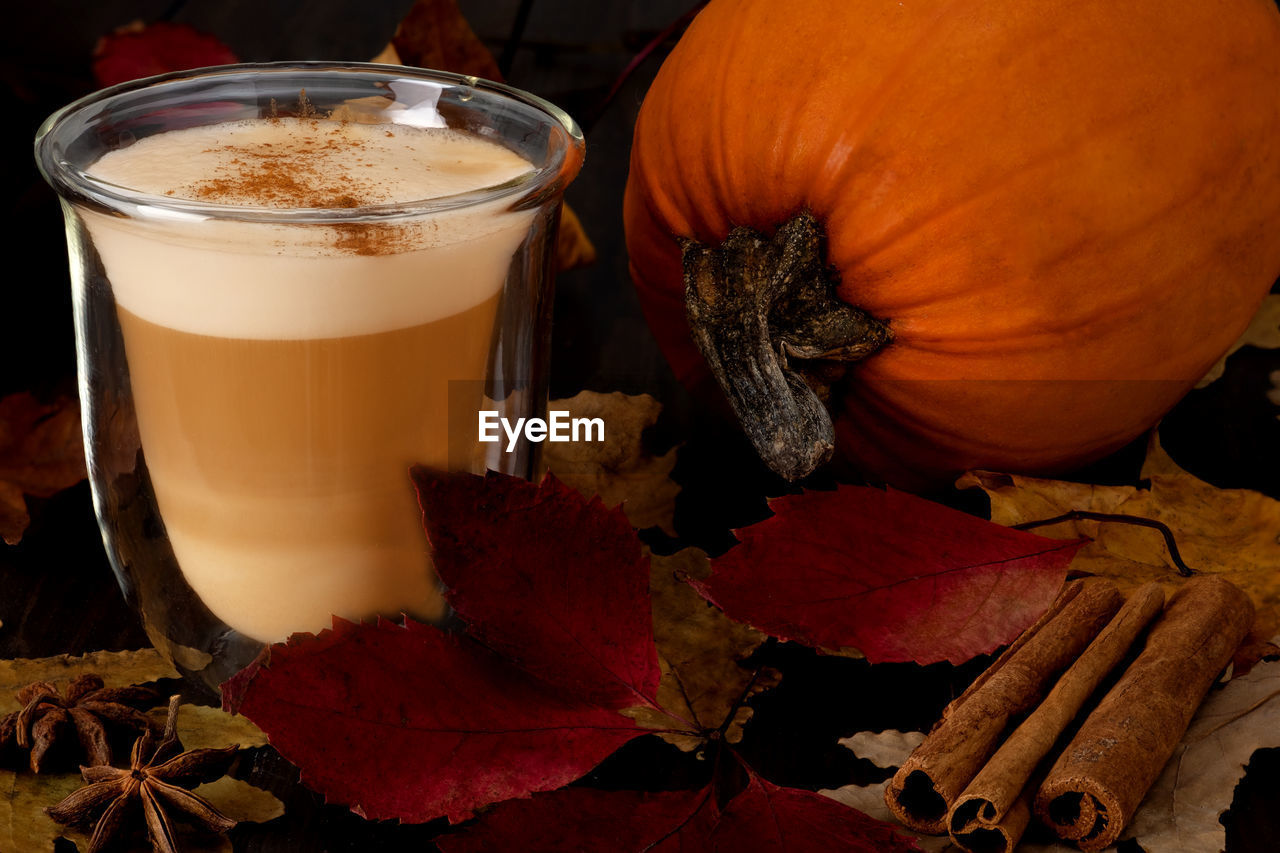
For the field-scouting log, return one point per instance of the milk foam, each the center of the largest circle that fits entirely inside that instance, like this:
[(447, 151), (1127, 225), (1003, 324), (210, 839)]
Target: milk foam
[(238, 279)]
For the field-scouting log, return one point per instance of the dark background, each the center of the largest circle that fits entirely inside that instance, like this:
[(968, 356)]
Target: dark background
[(56, 590), (570, 51)]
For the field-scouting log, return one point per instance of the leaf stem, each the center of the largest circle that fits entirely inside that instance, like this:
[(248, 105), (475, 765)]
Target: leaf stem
[(1085, 515), (723, 728)]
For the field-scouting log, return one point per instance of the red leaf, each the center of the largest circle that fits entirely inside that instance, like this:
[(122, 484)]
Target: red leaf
[(548, 579), (413, 723), (898, 577), (586, 820), (768, 817), (139, 50), (763, 816)]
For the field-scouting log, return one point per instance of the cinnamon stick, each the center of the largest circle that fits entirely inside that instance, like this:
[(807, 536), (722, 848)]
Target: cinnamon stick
[(1000, 836), (1093, 788), (992, 813), (924, 789)]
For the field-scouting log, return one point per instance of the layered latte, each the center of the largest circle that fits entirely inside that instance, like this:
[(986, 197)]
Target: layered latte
[(285, 376)]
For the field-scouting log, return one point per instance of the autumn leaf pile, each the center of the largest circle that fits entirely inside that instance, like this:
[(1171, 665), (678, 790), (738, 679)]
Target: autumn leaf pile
[(571, 641), (565, 657)]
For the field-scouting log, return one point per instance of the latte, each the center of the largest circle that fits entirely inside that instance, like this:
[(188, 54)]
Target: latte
[(285, 376)]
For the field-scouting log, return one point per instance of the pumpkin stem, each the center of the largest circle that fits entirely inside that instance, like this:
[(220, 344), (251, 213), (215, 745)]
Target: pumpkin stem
[(766, 317)]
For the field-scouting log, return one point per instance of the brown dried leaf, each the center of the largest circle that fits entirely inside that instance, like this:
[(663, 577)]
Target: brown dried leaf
[(13, 513), (573, 247), (620, 470), (41, 453), (1231, 532), (1180, 813), (1263, 332), (698, 649), (435, 34), (388, 56)]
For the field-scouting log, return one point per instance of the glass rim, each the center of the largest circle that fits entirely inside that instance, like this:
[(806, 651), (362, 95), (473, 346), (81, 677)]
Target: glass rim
[(531, 189)]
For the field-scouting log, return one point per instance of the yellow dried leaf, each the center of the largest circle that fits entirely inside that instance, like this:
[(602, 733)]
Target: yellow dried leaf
[(699, 650), (1230, 532), (241, 801), (24, 825), (620, 469), (200, 727), (118, 669), (23, 798), (1263, 332)]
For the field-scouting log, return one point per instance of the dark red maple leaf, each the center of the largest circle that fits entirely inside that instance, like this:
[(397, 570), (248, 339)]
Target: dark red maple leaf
[(895, 576), (412, 723), (525, 701), (766, 816), (761, 816), (142, 50), (548, 579)]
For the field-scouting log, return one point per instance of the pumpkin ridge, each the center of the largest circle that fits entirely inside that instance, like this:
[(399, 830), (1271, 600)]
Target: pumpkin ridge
[(894, 78), (720, 175), (1021, 171), (900, 73)]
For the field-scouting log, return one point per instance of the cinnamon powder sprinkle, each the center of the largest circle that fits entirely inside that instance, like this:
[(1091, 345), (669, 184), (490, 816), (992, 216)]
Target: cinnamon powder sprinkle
[(304, 175)]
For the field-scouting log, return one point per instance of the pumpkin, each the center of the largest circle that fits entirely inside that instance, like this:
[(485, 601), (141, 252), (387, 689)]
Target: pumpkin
[(969, 234)]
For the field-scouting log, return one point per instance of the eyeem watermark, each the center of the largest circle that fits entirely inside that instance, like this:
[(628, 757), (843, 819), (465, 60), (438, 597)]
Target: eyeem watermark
[(558, 426)]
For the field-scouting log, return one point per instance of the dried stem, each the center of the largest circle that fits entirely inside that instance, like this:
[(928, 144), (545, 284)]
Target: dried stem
[(765, 314), (1085, 515)]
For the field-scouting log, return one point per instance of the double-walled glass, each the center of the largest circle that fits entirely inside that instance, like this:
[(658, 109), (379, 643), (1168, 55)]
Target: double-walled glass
[(257, 379)]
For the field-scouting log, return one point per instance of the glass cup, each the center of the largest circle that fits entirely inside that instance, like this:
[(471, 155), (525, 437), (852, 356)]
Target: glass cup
[(263, 354)]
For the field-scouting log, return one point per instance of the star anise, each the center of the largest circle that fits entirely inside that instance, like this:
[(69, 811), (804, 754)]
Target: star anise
[(87, 707), (153, 786)]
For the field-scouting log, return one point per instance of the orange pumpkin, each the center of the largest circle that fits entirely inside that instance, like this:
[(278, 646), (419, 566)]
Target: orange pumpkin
[(1064, 212)]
